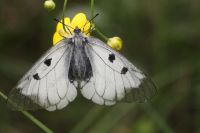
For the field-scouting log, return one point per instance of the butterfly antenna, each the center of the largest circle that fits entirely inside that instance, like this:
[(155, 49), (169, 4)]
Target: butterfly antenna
[(64, 25), (92, 29), (94, 17), (90, 21)]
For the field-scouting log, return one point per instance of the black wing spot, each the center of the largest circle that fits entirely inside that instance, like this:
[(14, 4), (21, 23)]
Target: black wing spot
[(111, 57), (36, 76), (124, 70), (48, 62)]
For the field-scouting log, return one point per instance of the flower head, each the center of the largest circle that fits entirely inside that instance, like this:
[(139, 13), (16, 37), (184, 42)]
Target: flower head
[(115, 43), (79, 21)]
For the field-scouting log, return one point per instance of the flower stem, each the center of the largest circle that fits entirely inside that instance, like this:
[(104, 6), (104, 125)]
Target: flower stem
[(37, 122), (101, 34), (63, 14), (91, 8), (3, 96), (91, 16), (31, 117)]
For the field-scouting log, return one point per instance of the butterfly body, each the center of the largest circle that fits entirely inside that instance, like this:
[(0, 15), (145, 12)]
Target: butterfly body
[(80, 68), (102, 74)]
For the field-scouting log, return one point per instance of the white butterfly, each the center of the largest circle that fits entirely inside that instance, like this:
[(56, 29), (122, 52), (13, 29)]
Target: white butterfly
[(83, 64)]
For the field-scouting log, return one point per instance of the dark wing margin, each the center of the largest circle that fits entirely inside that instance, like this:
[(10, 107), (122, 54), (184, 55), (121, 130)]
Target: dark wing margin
[(145, 92)]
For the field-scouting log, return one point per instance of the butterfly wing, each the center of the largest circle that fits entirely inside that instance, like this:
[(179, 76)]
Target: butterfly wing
[(46, 84), (114, 77)]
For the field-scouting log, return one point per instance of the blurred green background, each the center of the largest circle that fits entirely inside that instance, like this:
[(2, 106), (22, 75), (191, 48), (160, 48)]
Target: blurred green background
[(161, 36)]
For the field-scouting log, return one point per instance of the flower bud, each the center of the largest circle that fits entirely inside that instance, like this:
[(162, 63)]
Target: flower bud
[(49, 5), (115, 43)]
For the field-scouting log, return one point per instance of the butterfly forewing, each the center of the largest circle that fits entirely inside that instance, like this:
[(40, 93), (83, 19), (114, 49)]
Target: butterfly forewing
[(46, 84)]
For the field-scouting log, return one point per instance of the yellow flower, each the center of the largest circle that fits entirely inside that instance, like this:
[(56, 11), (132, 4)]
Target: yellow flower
[(115, 43), (79, 21)]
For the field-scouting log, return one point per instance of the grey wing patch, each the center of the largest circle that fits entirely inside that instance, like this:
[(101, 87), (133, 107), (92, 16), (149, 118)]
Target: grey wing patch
[(115, 78), (144, 92), (17, 101), (46, 84)]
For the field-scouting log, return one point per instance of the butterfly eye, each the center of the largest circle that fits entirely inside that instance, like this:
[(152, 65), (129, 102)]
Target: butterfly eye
[(77, 30)]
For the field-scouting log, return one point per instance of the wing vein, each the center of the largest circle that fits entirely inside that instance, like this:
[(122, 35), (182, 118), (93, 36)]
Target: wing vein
[(103, 60), (56, 63)]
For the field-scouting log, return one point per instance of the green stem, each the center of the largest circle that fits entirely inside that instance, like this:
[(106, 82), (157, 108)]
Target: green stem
[(91, 8), (91, 16), (63, 14), (37, 122), (31, 117), (101, 34), (3, 96)]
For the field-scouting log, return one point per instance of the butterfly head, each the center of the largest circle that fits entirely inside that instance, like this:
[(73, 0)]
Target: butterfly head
[(77, 30)]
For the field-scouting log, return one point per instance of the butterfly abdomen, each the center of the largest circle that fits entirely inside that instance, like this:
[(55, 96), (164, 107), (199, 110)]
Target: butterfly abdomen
[(80, 68)]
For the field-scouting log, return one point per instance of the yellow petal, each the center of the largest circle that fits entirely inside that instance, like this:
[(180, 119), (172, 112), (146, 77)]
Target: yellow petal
[(86, 27), (79, 21), (60, 32), (60, 25), (115, 43), (63, 33), (56, 38)]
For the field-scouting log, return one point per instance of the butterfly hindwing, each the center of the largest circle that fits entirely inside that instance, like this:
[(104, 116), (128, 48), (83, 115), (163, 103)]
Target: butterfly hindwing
[(46, 84), (115, 78)]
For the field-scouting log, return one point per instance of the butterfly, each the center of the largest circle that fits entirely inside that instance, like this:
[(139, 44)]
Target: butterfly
[(80, 64)]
